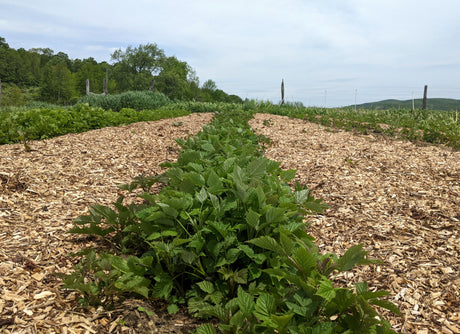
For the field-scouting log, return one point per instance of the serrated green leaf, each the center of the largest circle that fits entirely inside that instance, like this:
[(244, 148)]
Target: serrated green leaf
[(119, 263), (188, 156), (173, 309), (206, 286), (153, 236), (361, 287), (257, 167), (305, 260), (163, 286), (326, 290), (104, 211), (168, 210), (202, 195), (214, 183), (252, 218), (275, 215), (196, 167), (286, 242), (265, 306), (386, 305), (245, 302), (206, 329), (288, 175), (268, 243), (188, 257), (353, 256), (281, 321)]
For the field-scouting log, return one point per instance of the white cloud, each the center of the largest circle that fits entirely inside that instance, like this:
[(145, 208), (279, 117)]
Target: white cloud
[(248, 46)]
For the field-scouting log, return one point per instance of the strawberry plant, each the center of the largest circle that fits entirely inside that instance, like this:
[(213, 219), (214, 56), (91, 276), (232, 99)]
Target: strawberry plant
[(227, 236)]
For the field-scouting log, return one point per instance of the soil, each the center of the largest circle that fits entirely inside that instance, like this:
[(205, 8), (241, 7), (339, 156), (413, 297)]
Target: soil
[(400, 199)]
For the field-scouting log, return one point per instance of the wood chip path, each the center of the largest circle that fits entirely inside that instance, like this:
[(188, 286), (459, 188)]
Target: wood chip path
[(401, 200)]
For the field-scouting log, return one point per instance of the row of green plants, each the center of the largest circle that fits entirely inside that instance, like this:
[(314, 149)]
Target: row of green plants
[(23, 124), (227, 238), (40, 121), (139, 100), (437, 127)]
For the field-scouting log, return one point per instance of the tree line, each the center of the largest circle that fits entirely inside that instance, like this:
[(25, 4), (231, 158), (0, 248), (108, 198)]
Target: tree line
[(41, 74)]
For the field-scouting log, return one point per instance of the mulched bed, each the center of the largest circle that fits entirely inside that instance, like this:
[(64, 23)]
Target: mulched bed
[(400, 199)]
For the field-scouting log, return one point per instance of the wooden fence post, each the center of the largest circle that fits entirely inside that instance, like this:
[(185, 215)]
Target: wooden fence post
[(282, 91), (106, 80), (424, 97), (87, 86), (105, 86)]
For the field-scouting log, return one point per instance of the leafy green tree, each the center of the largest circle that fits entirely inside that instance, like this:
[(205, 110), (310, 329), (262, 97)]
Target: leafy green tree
[(209, 85), (12, 96), (3, 43), (134, 68), (175, 79), (57, 84), (95, 73)]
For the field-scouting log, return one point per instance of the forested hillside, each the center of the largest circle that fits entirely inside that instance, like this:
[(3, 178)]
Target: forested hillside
[(432, 104), (41, 74)]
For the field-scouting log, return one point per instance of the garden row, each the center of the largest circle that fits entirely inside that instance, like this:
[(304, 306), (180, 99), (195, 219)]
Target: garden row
[(437, 127), (226, 237), (97, 111)]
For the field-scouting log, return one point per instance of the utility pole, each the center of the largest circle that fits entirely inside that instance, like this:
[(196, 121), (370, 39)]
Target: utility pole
[(424, 97)]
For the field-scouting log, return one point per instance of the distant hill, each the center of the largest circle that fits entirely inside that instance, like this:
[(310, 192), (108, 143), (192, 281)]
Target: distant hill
[(433, 104)]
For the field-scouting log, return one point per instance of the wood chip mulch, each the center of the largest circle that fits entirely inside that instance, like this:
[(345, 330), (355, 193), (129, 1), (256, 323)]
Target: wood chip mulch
[(400, 199)]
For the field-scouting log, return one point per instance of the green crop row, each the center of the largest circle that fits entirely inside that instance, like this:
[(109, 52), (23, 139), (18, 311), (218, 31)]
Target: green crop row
[(438, 127), (226, 236), (23, 124), (138, 100)]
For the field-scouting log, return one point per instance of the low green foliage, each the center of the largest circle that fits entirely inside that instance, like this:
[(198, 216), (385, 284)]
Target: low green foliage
[(20, 124), (227, 236), (438, 127), (138, 100)]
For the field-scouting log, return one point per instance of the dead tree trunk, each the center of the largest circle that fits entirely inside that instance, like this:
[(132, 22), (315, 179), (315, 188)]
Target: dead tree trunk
[(87, 87), (282, 91), (424, 97)]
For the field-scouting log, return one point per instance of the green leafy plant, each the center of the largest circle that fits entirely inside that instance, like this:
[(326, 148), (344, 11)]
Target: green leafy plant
[(227, 236)]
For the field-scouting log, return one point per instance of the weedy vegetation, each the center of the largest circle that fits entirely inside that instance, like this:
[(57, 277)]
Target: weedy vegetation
[(226, 237)]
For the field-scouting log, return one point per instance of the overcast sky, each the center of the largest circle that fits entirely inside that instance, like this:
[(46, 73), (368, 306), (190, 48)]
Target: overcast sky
[(328, 52)]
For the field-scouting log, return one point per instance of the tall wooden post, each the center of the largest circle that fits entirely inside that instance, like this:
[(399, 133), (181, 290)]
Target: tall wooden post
[(424, 97), (87, 86), (282, 91), (152, 84), (106, 80)]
